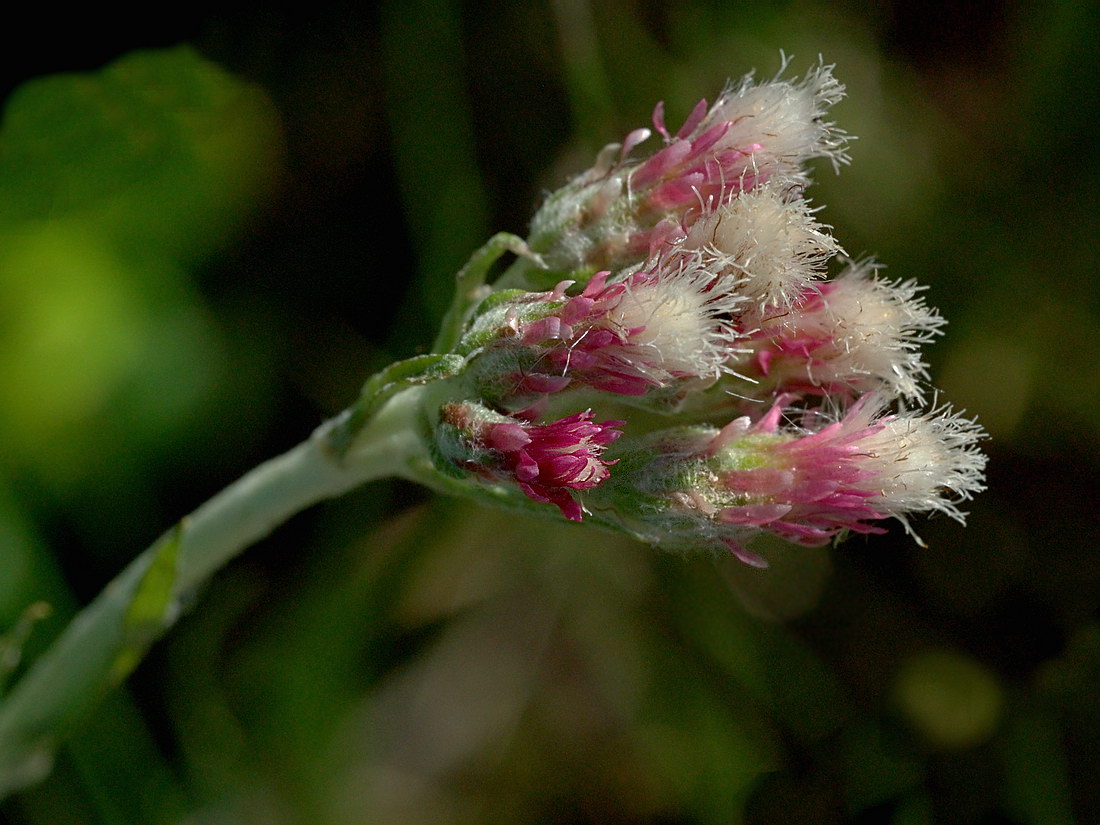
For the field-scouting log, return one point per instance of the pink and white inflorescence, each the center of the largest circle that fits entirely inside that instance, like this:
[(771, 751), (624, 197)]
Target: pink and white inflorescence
[(807, 485), (756, 133), (693, 283)]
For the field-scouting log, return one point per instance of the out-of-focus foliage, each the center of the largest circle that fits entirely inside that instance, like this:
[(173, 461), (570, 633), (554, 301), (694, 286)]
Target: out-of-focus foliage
[(111, 186), (193, 272)]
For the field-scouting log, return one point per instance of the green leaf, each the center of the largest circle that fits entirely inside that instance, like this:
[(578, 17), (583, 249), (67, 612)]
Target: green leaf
[(379, 388), (150, 610), (416, 370), (12, 642), (112, 184), (160, 147)]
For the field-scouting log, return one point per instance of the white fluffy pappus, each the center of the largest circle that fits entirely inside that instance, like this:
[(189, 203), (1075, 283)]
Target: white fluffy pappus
[(918, 462), (768, 240), (786, 119), (678, 317), (867, 332)]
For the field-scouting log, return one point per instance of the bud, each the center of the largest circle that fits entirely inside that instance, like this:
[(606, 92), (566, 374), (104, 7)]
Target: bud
[(696, 486), (544, 461)]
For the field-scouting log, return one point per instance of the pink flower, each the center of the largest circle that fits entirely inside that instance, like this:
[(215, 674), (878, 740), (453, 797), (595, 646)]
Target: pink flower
[(646, 331), (548, 460), (753, 131), (622, 210), (841, 338), (849, 475), (695, 487), (699, 163)]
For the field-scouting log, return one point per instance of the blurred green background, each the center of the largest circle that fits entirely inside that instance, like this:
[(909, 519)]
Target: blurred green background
[(205, 249)]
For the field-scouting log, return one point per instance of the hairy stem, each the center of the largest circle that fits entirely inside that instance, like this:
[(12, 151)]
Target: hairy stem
[(107, 639)]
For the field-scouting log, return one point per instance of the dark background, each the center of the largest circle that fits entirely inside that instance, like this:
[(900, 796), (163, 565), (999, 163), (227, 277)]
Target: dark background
[(394, 658)]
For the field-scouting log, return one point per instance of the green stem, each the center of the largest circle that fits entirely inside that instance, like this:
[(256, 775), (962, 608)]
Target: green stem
[(469, 283), (100, 646)]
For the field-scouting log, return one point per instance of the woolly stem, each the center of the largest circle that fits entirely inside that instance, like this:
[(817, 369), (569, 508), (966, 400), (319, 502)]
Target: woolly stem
[(107, 639)]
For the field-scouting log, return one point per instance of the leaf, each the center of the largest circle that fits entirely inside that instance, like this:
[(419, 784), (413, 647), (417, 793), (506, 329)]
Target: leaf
[(113, 184), (12, 642), (379, 388), (160, 147), (151, 609)]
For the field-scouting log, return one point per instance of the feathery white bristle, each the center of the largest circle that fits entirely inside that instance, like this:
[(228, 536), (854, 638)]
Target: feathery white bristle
[(769, 240), (787, 118), (869, 327), (681, 318), (925, 462)]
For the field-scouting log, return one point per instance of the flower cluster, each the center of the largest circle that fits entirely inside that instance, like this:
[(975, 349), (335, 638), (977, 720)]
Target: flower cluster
[(692, 283)]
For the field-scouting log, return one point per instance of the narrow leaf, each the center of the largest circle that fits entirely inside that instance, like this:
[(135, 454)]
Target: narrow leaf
[(151, 609)]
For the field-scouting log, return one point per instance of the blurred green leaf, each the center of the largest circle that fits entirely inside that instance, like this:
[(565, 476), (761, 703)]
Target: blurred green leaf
[(111, 184), (160, 148), (12, 642)]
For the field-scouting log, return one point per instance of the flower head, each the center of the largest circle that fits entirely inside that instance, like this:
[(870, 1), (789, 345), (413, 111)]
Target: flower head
[(645, 331), (806, 484), (621, 210), (545, 461), (768, 240), (854, 334), (752, 132)]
